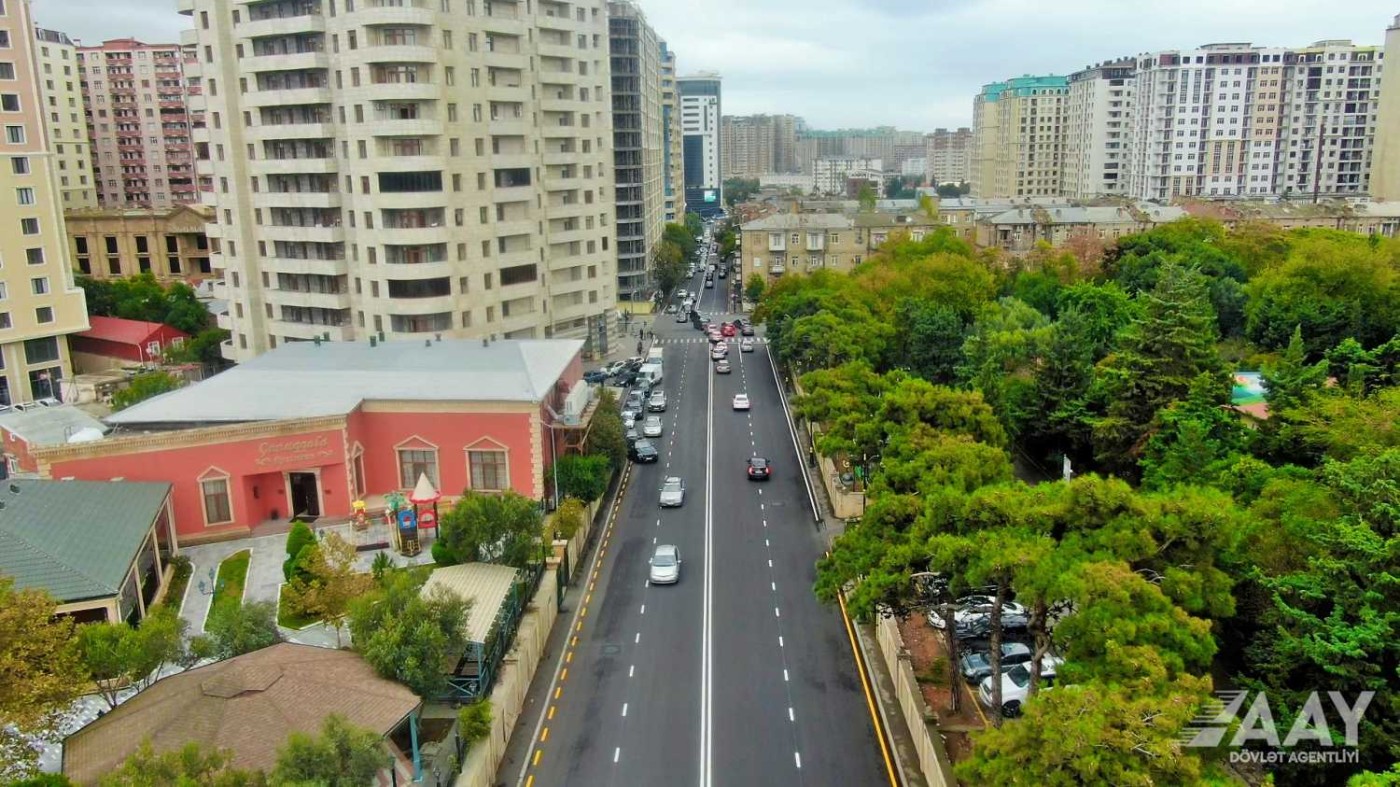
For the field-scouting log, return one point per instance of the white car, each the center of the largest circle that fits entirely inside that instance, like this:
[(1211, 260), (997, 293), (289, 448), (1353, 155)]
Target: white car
[(719, 352), (651, 427), (746, 346), (665, 565), (1016, 685), (741, 401), (629, 419), (673, 492)]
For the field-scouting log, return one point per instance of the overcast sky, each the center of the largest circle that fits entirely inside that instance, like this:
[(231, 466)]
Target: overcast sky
[(915, 64)]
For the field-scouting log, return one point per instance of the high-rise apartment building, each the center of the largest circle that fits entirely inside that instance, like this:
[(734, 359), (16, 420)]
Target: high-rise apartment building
[(400, 169), (700, 114), (1385, 159), (829, 175), (64, 119), (947, 154), (673, 169), (40, 306), (638, 144), (1098, 119), (756, 145), (138, 124), (1332, 94), (1018, 130)]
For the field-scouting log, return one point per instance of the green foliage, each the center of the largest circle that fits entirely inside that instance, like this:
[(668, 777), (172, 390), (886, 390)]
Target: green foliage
[(242, 628), (1197, 441), (493, 528), (682, 238), (191, 766), (953, 190), (409, 636), (668, 266), (694, 224), (584, 477), (1000, 357), (298, 539), (739, 190), (442, 554), (902, 187), (753, 288), (42, 673), (867, 197), (606, 437), (203, 347), (569, 517), (474, 721), (1139, 261), (117, 655), (228, 585), (141, 297), (144, 386), (1342, 427), (343, 755), (44, 780), (930, 339), (381, 564)]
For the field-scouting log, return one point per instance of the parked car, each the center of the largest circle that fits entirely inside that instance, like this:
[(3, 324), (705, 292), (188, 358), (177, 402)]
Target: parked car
[(665, 565), (595, 377), (614, 368), (1015, 686), (977, 664), (657, 402), (722, 367), (746, 346), (681, 317), (651, 427), (741, 401), (672, 492), (746, 329), (974, 616), (641, 450), (759, 469)]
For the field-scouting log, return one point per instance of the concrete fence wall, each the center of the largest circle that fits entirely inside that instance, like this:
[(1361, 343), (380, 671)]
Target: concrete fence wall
[(933, 758)]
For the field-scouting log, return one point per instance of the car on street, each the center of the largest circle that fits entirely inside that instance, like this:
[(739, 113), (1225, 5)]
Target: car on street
[(672, 492), (976, 664), (746, 329), (723, 273), (634, 400), (665, 565), (746, 346), (718, 353), (759, 469), (681, 317), (709, 284), (641, 450), (595, 377), (671, 308), (1015, 686), (722, 367), (715, 337), (657, 402), (629, 420), (614, 368), (728, 329), (651, 427), (741, 401)]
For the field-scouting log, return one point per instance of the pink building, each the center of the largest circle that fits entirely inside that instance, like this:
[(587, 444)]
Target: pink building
[(138, 123), (310, 427)]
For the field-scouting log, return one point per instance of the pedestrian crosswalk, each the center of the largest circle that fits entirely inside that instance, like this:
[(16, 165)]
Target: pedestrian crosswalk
[(705, 340)]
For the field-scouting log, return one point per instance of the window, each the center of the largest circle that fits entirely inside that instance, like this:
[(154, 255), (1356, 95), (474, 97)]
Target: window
[(5, 323), (489, 471), (40, 285), (357, 470), (19, 165), (29, 226), (14, 135), (415, 462), (217, 510), (43, 314), (24, 196), (9, 102), (34, 256), (38, 351), (7, 70)]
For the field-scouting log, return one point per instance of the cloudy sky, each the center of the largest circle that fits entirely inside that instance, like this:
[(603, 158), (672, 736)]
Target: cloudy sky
[(915, 64)]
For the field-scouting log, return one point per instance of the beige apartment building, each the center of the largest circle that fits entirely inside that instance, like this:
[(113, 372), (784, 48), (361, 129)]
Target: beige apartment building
[(756, 145), (1098, 115), (406, 168), (947, 155), (1018, 130), (39, 303), (673, 165), (798, 243), (65, 118), (138, 124), (1385, 160), (639, 154), (169, 244)]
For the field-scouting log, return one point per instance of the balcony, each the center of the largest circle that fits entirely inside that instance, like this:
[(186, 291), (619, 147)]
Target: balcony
[(417, 307), (313, 234), (400, 53), (776, 269), (289, 131), (396, 15), (558, 159), (309, 331), (512, 160), (577, 235), (296, 199), (412, 236), (559, 50), (510, 60), (293, 166), (384, 163), (507, 126), (387, 126), (281, 26), (316, 266), (420, 270), (288, 97), (292, 61), (391, 91), (506, 229), (317, 300)]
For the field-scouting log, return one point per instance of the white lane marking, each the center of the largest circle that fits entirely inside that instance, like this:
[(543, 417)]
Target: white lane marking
[(631, 670), (773, 585), (765, 543), (637, 639), (776, 613), (791, 716), (785, 675), (617, 753), (780, 640), (706, 717), (770, 562), (624, 709), (797, 755), (644, 609)]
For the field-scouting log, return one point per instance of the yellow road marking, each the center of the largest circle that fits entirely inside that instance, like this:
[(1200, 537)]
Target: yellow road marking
[(538, 754), (865, 687), (569, 657), (557, 691), (544, 735), (530, 782), (551, 712), (563, 676)]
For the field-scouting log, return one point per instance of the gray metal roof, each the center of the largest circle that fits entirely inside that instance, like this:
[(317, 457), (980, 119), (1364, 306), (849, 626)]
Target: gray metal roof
[(306, 380), (74, 539), (800, 221), (39, 425), (485, 585)]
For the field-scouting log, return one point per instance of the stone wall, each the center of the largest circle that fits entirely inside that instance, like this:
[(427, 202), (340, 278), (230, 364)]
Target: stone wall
[(934, 763)]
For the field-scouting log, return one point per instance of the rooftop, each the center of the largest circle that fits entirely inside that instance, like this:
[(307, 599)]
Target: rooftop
[(41, 425), (799, 221), (74, 539), (121, 331), (311, 380), (485, 585), (248, 704)]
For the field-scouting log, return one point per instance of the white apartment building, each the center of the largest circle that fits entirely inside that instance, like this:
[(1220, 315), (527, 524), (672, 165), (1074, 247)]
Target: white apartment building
[(700, 114), (406, 168), (639, 155), (64, 118), (1328, 128), (948, 154), (829, 174), (1097, 117)]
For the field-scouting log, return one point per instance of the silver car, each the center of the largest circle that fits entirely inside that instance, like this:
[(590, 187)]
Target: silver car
[(672, 492), (666, 565), (651, 427), (657, 402)]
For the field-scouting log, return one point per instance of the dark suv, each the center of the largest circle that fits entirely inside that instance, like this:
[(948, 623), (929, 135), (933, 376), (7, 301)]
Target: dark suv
[(759, 469)]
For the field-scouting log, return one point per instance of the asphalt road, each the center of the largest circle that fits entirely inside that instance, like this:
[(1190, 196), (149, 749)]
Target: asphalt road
[(772, 695)]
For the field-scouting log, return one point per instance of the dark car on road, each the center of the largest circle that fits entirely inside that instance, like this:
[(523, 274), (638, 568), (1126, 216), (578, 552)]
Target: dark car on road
[(977, 664), (595, 377), (760, 469), (642, 450)]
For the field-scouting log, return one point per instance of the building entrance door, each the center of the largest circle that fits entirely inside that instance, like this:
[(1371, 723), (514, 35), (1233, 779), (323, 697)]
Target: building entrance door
[(305, 494)]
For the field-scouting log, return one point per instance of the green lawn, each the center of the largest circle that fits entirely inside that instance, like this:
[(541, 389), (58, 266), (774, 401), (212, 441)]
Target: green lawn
[(179, 580), (233, 572), (287, 618)]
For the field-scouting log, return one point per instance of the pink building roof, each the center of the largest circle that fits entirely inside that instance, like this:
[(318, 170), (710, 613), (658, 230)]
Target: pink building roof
[(133, 332)]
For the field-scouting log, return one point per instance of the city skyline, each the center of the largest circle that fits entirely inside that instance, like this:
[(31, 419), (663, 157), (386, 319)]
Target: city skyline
[(782, 57)]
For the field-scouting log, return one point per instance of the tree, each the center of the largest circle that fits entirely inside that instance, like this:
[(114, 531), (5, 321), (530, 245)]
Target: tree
[(569, 517), (331, 582), (582, 476), (243, 628), (44, 780), (299, 539), (606, 437), (474, 721), (1158, 359), (1197, 440), (496, 528), (204, 347), (680, 236), (43, 673), (142, 297), (144, 386), (117, 655), (668, 267), (343, 755), (409, 636), (694, 224), (952, 190), (867, 197), (931, 339), (739, 190), (191, 766), (753, 288)]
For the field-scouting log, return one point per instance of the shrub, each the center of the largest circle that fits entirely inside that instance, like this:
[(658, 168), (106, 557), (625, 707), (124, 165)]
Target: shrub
[(569, 518), (584, 477), (474, 721), (442, 554), (298, 539)]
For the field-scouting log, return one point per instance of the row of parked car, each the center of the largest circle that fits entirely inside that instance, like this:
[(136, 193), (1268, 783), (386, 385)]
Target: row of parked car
[(972, 624)]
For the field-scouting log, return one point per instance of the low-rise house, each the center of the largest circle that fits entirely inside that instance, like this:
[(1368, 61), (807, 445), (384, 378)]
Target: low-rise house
[(113, 342), (100, 548)]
